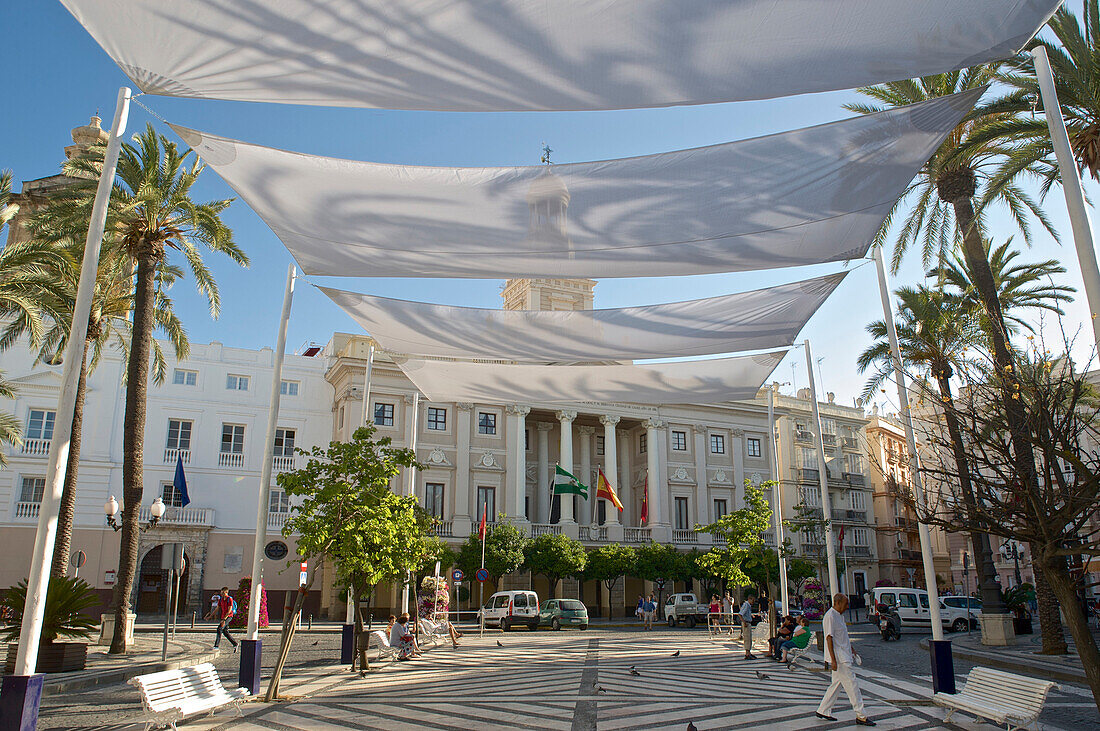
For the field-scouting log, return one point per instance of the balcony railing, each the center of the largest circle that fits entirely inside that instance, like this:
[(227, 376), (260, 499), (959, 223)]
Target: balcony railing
[(850, 515), (26, 511), (810, 549), (849, 442), (282, 463), (443, 528), (829, 440), (181, 516), (276, 521), (807, 474), (685, 537), (36, 447), (596, 533), (636, 535), (906, 523), (230, 459), (854, 478), (171, 456), (906, 555), (717, 539), (541, 529), (858, 550), (803, 436)]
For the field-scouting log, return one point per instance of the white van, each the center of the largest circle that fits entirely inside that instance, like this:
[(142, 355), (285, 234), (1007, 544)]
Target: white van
[(506, 609), (912, 605)]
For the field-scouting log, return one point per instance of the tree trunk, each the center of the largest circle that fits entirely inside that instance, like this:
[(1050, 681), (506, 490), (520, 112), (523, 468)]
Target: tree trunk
[(1065, 589), (63, 546), (290, 624), (992, 602), (133, 439), (1050, 619)]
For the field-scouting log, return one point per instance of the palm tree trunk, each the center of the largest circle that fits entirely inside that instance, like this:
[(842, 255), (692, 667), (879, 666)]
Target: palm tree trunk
[(992, 602), (64, 543), (1054, 569), (133, 439), (1050, 618)]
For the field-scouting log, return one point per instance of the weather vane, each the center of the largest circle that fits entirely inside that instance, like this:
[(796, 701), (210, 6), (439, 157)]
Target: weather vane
[(546, 153)]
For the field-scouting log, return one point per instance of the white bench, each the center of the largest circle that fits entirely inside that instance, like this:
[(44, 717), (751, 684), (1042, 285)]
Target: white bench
[(434, 633), (172, 695), (384, 647), (1014, 700)]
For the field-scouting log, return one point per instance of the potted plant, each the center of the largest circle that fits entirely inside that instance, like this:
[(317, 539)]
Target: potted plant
[(1018, 600), (67, 600)]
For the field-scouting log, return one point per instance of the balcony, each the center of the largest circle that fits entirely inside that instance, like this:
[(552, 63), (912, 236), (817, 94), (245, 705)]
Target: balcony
[(811, 550), (859, 516), (854, 478), (443, 529), (36, 447), (906, 523), (858, 550), (849, 443), (231, 459), (171, 456), (282, 463), (805, 474), (593, 533), (26, 511), (829, 440), (636, 535), (803, 436), (685, 537), (542, 529), (182, 516), (276, 521), (907, 555), (717, 539)]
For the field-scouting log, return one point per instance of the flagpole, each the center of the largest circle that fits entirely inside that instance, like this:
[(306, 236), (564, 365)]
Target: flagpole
[(822, 478), (481, 584)]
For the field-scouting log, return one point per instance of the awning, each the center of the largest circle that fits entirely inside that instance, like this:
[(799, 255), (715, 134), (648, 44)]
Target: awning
[(812, 195), (756, 320), (499, 55), (695, 381)]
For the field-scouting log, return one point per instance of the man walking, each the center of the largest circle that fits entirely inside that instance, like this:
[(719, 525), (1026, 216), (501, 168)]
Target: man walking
[(224, 612), (746, 628), (840, 657)]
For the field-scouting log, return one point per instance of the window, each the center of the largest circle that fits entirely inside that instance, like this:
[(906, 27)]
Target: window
[(232, 439), (828, 426), (179, 435), (717, 444), (284, 443), (719, 509), (40, 424), (278, 502), (907, 601), (487, 500), (171, 496), (433, 499), (642, 439), (236, 383), (383, 414), (437, 419), (340, 419), (681, 504), (855, 464), (859, 536), (807, 458), (181, 377), (679, 441), (888, 599), (527, 440), (486, 423), (859, 500), (600, 446), (33, 487), (811, 496), (289, 388), (753, 447)]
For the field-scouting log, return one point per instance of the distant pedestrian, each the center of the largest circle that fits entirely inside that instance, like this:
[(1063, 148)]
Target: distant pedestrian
[(649, 611), (746, 628), (840, 657), (638, 611), (224, 611), (727, 610)]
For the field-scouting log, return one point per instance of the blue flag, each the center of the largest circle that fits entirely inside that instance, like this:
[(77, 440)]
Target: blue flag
[(180, 482)]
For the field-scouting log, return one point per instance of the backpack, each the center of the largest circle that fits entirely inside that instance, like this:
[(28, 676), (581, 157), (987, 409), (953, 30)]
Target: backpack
[(233, 607)]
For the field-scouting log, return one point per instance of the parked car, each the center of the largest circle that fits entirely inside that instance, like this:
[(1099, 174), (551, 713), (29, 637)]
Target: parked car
[(685, 608), (558, 613), (913, 608), (505, 609), (957, 616)]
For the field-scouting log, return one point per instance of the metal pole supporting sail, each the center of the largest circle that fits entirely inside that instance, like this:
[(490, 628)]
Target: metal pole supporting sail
[(777, 496), (822, 478)]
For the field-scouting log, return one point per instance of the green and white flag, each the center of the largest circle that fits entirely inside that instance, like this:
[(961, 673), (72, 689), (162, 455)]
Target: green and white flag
[(565, 483)]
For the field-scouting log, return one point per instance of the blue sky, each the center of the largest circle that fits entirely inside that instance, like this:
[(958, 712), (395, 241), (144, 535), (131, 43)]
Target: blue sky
[(58, 76)]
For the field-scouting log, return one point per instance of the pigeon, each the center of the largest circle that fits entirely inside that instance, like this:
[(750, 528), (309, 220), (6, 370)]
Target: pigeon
[(599, 688), (316, 643), (761, 676), (676, 654), (691, 727), (500, 644), (633, 671)]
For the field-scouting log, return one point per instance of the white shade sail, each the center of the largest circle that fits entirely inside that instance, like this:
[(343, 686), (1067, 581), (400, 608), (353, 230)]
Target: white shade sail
[(500, 55), (695, 381), (808, 196), (756, 320)]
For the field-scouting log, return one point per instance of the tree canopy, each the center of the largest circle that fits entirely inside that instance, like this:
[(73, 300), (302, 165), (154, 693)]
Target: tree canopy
[(504, 546), (554, 556)]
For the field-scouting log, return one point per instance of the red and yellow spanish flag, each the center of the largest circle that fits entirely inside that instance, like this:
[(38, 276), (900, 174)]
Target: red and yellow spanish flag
[(604, 490)]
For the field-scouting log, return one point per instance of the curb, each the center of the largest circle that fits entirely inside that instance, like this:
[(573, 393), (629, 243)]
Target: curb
[(1033, 667)]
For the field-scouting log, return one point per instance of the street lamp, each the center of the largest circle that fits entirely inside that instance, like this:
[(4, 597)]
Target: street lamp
[(156, 512), (1011, 549)]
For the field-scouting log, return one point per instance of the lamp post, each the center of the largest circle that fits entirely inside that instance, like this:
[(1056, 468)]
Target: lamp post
[(156, 511), (1011, 549)]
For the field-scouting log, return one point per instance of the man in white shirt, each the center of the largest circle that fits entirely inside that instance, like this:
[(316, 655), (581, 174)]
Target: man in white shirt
[(840, 657), (746, 628)]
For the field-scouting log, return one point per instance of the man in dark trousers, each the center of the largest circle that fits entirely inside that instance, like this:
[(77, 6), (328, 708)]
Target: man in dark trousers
[(224, 612)]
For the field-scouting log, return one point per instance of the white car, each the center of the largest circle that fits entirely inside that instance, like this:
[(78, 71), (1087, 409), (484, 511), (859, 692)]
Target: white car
[(505, 609), (953, 610)]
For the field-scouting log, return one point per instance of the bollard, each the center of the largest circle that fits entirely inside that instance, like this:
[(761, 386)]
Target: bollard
[(192, 620), (310, 621)]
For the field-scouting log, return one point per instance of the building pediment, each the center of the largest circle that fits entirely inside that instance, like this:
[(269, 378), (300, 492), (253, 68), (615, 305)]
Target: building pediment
[(488, 462), (39, 379)]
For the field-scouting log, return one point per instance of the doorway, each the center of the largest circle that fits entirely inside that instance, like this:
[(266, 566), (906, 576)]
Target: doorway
[(152, 583)]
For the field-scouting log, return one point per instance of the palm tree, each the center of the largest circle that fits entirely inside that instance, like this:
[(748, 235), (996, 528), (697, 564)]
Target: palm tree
[(152, 214)]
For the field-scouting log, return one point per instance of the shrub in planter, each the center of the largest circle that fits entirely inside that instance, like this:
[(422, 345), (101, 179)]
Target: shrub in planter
[(67, 600), (244, 597)]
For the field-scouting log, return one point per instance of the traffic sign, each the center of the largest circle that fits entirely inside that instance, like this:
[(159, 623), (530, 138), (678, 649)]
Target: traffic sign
[(303, 574), (457, 575), (79, 559), (482, 575)]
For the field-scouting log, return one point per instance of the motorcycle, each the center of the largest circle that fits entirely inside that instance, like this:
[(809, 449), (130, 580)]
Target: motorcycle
[(889, 623)]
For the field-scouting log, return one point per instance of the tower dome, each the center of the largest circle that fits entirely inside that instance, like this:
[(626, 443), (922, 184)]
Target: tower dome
[(85, 136)]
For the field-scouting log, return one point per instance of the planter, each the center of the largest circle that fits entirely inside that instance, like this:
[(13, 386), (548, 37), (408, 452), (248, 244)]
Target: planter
[(53, 657), (1023, 625), (107, 629)]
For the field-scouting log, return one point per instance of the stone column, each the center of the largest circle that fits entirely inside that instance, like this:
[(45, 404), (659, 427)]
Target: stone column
[(517, 458), (611, 467), (737, 454), (702, 510), (412, 410), (587, 514), (627, 480), (565, 418), (542, 483), (658, 490), (462, 500)]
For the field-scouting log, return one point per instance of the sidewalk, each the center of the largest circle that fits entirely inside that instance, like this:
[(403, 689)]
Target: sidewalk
[(1022, 657)]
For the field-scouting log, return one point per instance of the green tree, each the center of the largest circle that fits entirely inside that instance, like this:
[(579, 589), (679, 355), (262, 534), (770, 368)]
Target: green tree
[(738, 532), (554, 556), (659, 563), (344, 510), (504, 546), (607, 564), (810, 522), (152, 213), (798, 571)]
